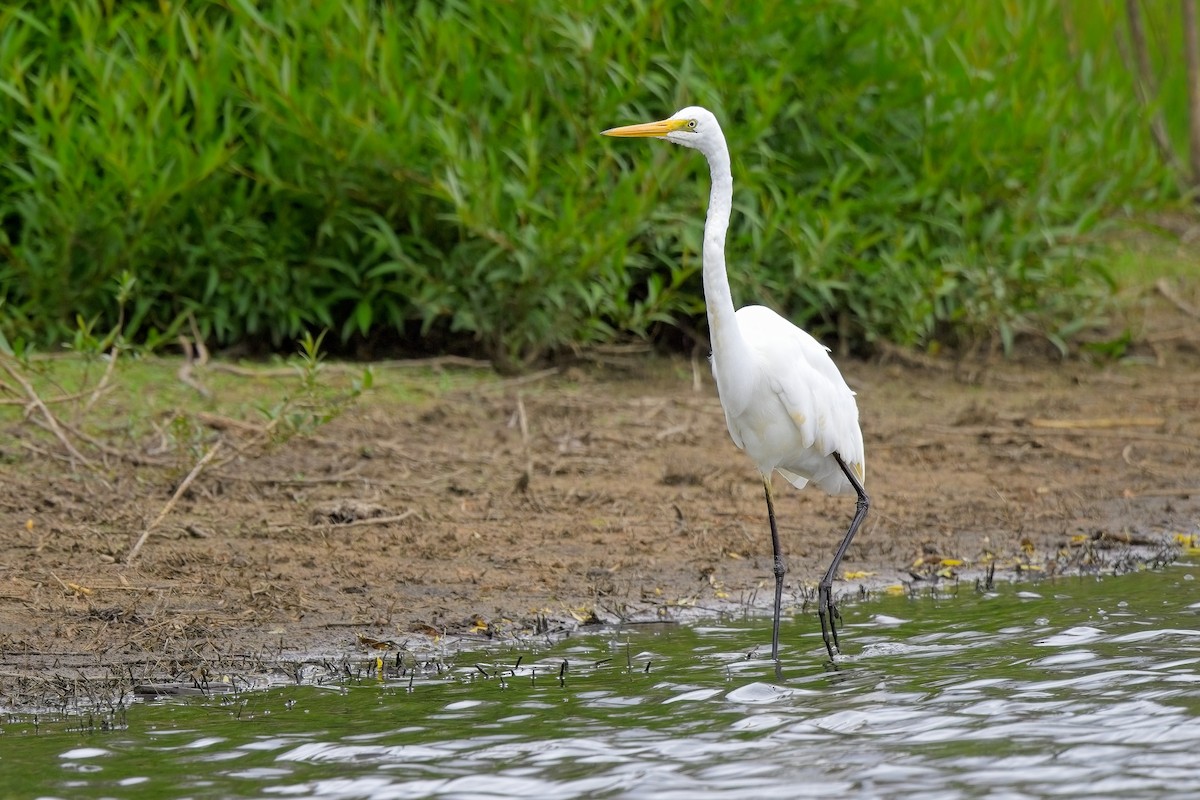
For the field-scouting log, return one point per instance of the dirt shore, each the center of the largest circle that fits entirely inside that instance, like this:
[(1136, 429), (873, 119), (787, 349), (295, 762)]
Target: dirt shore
[(593, 495)]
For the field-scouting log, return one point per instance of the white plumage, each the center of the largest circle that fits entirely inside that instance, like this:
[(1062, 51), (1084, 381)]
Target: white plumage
[(800, 412), (785, 402)]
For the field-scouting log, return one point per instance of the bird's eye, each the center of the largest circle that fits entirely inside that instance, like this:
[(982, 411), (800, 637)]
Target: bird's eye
[(691, 124)]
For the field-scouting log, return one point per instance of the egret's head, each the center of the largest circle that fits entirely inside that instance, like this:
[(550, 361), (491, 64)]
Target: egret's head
[(693, 127)]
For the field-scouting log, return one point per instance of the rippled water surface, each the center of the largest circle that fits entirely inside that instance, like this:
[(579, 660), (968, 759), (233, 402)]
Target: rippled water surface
[(1074, 687)]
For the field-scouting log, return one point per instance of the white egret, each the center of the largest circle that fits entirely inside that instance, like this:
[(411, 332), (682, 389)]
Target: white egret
[(785, 402)]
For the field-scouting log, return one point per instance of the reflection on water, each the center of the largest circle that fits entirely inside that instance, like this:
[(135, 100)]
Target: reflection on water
[(1070, 687)]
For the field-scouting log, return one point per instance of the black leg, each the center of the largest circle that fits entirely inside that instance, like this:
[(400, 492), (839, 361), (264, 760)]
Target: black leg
[(780, 568), (826, 608)]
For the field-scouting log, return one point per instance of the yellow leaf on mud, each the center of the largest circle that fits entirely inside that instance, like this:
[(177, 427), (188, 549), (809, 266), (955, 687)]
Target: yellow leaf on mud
[(856, 575), (895, 588)]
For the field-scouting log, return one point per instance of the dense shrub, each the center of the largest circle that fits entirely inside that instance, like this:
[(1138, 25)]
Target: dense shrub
[(433, 169)]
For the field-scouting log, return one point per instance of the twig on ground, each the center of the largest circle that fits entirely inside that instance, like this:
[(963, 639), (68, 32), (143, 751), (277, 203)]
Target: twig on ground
[(404, 363), (132, 458), (911, 357), (51, 420), (1098, 422), (521, 380), (674, 430), (1187, 333), (349, 475), (1193, 491), (1074, 452), (331, 525), (1002, 431), (1124, 537), (201, 350), (196, 470), (439, 361), (60, 582), (102, 386), (526, 477), (1166, 290), (184, 373), (1144, 465), (254, 372), (221, 423), (369, 521)]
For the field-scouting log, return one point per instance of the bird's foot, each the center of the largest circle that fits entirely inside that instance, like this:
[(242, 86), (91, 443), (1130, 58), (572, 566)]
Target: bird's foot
[(828, 612)]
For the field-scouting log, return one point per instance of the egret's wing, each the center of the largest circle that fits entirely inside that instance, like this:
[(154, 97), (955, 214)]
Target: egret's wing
[(810, 388)]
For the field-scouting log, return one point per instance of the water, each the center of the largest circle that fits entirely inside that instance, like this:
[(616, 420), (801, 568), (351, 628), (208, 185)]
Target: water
[(1066, 688)]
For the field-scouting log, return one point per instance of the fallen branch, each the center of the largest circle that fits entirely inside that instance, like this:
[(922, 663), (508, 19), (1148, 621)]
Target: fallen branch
[(196, 470)]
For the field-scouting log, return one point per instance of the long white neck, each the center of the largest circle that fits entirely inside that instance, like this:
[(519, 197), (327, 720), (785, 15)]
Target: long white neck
[(728, 347), (720, 202)]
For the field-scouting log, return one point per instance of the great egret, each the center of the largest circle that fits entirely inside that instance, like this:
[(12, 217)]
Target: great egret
[(785, 402)]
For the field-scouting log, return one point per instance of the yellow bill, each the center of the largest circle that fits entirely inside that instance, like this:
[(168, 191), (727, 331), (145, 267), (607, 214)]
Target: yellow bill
[(647, 130)]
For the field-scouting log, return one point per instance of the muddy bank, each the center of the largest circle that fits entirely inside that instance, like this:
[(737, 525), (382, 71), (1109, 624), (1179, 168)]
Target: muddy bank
[(590, 496), (477, 511)]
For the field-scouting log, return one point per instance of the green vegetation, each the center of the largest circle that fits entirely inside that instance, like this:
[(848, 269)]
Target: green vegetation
[(431, 173), (102, 404)]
